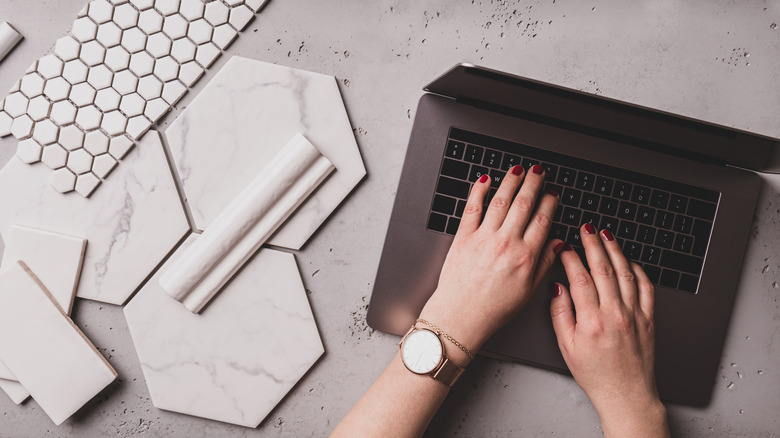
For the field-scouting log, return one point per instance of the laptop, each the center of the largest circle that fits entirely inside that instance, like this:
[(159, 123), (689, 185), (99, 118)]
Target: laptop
[(678, 193)]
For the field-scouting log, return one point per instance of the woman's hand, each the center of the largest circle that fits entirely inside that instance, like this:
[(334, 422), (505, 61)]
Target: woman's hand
[(609, 344), (493, 267)]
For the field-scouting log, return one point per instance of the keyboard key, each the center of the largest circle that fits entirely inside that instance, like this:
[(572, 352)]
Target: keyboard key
[(571, 197), (477, 172), (590, 201), (590, 218), (459, 209), (645, 215), (688, 283), (622, 190), (640, 195), (547, 186), (609, 223), (701, 233), (558, 213), (701, 209), (550, 172), (453, 187), (683, 224), (659, 199), (558, 231), (664, 239), (627, 230), (452, 225), (455, 169), (510, 161), (645, 234), (632, 250), (455, 149), (653, 272), (608, 206), (496, 176), (437, 222), (664, 219), (586, 181), (528, 163), (604, 186), (683, 243), (571, 216), (627, 210), (678, 203), (444, 204), (474, 154), (669, 278), (566, 176), (574, 237), (651, 254), (681, 262), (492, 159)]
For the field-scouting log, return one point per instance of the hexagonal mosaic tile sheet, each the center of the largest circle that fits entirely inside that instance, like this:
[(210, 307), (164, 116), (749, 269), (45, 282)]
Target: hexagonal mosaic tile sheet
[(121, 67), (235, 361)]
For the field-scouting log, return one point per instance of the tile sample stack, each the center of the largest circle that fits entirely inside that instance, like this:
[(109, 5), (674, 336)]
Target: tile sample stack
[(122, 66)]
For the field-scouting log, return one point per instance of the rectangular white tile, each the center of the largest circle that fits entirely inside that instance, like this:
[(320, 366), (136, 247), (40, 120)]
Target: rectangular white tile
[(15, 390)]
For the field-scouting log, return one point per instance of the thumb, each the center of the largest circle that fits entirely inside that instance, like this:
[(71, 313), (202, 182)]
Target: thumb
[(562, 314)]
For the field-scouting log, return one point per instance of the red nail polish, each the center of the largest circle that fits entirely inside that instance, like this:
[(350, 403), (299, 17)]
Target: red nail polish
[(556, 290), (552, 192), (537, 169), (589, 228), (607, 235), (517, 170), (558, 247), (483, 178)]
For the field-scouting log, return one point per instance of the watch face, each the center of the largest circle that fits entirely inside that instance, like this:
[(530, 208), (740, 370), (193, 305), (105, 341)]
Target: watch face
[(421, 351)]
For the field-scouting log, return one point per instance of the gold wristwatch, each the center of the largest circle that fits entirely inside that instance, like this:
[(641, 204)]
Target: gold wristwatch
[(422, 352)]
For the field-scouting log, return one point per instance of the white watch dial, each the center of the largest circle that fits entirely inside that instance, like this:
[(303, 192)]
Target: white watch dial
[(422, 351)]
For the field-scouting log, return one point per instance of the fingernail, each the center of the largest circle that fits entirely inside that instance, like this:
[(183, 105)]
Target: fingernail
[(556, 290), (589, 228), (537, 169), (483, 178), (607, 235), (558, 247), (552, 192), (517, 170)]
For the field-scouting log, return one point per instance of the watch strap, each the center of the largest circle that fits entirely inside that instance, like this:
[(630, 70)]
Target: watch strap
[(448, 372)]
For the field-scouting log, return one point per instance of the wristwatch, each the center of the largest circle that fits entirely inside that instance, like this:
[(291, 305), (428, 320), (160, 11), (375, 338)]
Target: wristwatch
[(422, 352)]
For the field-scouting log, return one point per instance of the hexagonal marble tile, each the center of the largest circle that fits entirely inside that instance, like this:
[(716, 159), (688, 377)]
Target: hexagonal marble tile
[(251, 103), (216, 364)]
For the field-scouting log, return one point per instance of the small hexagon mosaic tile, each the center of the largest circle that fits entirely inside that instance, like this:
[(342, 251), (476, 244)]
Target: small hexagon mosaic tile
[(120, 68)]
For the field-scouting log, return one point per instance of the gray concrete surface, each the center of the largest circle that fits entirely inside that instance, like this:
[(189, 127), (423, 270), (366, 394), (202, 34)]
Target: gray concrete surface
[(713, 60)]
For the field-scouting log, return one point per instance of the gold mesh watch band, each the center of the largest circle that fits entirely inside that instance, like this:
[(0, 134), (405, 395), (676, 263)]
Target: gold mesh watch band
[(448, 373)]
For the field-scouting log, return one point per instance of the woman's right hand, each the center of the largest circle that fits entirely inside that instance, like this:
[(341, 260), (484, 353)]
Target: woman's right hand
[(609, 343)]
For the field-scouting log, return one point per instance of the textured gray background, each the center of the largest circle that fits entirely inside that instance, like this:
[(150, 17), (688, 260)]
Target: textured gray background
[(713, 60)]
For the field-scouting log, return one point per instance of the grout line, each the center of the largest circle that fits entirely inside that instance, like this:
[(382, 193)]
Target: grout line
[(178, 182)]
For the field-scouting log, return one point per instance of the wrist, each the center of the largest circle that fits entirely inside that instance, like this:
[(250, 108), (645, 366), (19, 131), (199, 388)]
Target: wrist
[(458, 346), (639, 417)]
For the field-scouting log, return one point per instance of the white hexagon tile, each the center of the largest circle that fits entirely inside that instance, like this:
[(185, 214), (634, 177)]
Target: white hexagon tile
[(121, 67)]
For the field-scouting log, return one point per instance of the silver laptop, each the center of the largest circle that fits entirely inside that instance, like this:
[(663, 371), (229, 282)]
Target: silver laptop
[(678, 193)]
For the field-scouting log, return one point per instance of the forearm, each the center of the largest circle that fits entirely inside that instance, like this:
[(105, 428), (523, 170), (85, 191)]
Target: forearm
[(647, 421)]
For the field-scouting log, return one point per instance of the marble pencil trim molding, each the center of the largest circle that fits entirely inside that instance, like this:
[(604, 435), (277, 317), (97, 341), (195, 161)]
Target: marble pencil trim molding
[(246, 223), (9, 38)]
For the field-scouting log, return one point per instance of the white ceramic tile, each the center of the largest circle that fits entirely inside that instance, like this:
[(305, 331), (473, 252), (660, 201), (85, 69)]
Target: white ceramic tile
[(22, 127), (137, 126), (155, 109), (132, 105), (216, 13), (125, 16), (107, 99), (32, 84), (86, 183), (124, 82), (38, 108), (54, 258), (79, 161), (32, 67), (84, 29), (150, 21), (166, 69), (131, 221), (117, 58), (15, 390), (45, 132), (57, 89), (224, 34), (92, 53), (149, 87), (49, 66), (250, 103), (103, 165), (255, 4), (100, 77), (167, 7), (71, 137), (183, 50), (29, 151), (51, 358), (227, 377), (246, 223), (141, 64), (158, 45), (119, 146), (114, 122), (134, 40), (5, 123), (206, 54), (240, 16), (109, 34), (191, 9), (15, 104), (234, 2), (190, 72), (82, 94), (100, 11), (75, 71), (175, 26), (88, 117), (199, 31), (54, 156), (63, 180), (96, 143), (173, 91), (63, 112), (67, 48), (142, 5)]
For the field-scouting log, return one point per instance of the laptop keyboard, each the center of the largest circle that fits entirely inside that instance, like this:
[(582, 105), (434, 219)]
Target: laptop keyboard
[(662, 225)]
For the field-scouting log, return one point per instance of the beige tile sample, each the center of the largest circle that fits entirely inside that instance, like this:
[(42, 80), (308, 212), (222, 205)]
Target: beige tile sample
[(15, 390), (42, 346)]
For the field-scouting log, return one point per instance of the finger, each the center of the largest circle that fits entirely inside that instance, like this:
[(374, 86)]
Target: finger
[(546, 259), (472, 213), (523, 205), (562, 315), (646, 291), (623, 272), (499, 205), (583, 291), (601, 269), (537, 230)]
